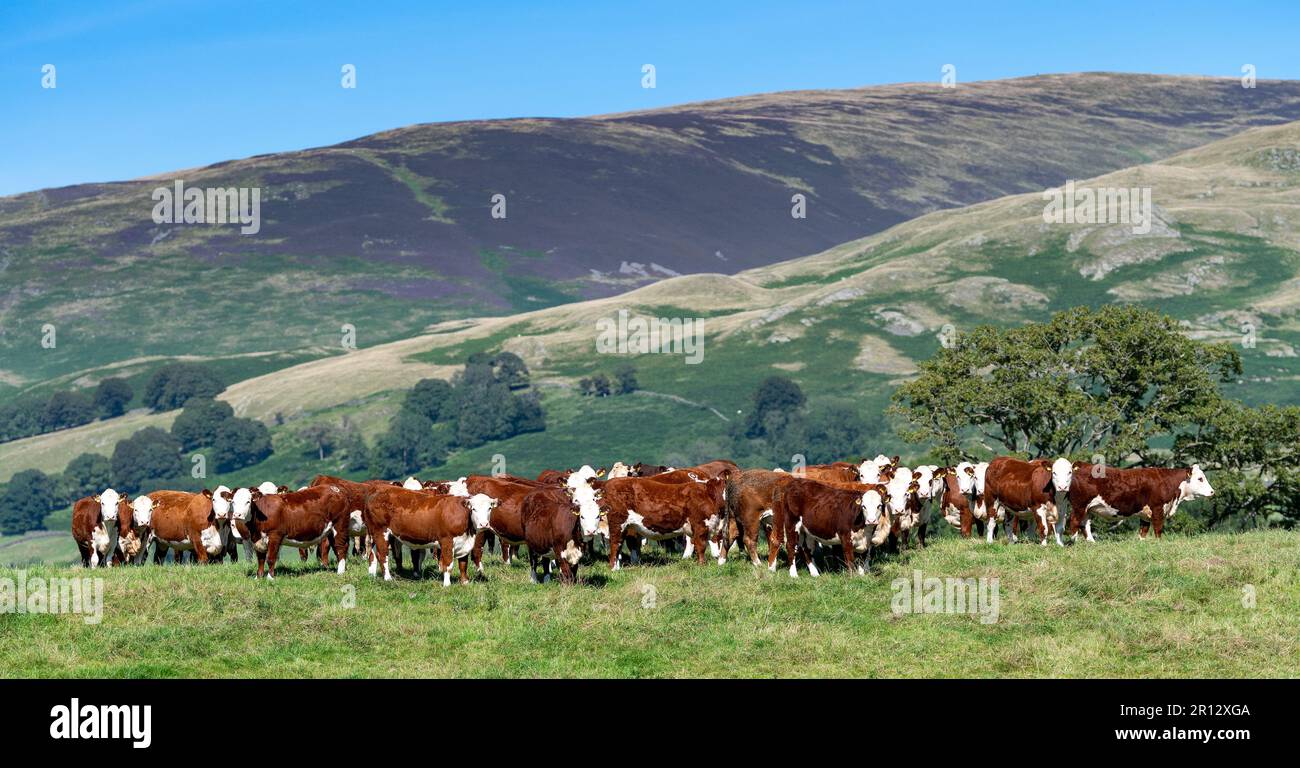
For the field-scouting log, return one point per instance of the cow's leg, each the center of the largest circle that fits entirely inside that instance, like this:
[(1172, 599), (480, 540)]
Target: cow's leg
[(417, 562), (1158, 520), (532, 566), (464, 569), (690, 546), (846, 544), (200, 554), (775, 537), (1143, 527), (85, 550), (342, 542), (792, 546), (381, 556), (261, 562), (749, 535), (615, 543), (508, 552), (444, 559), (920, 533), (634, 550), (477, 552), (697, 542), (273, 543), (1087, 526), (810, 549)]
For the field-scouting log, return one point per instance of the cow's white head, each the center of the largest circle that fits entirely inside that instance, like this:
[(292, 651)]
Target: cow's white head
[(480, 509), (619, 470), (873, 506), (142, 510), (241, 504), (459, 487), (589, 512), (965, 473), (1062, 474), (268, 488), (411, 484), (929, 481), (981, 469), (108, 501), (900, 486), (579, 477), (869, 470), (1196, 484), (221, 502)]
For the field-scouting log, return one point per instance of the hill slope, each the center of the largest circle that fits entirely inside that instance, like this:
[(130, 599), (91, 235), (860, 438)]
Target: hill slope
[(1174, 608), (391, 232)]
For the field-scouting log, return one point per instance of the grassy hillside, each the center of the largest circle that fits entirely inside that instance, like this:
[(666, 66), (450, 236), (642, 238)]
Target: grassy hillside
[(1121, 608), (392, 232)]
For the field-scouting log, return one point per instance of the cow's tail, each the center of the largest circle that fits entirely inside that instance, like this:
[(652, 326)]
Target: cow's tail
[(731, 505)]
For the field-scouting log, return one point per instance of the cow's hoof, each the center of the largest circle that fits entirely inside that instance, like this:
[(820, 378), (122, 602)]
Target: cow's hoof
[(343, 566)]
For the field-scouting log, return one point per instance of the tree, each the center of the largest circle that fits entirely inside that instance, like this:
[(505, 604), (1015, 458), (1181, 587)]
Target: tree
[(200, 422), (430, 398), (625, 379), (26, 500), (172, 385), (147, 457), (352, 448), (241, 443), (1087, 380), (409, 445), (600, 385), (776, 394), (322, 437), (529, 416), (86, 475), (21, 418), (585, 387), (67, 409), (511, 370), (112, 396)]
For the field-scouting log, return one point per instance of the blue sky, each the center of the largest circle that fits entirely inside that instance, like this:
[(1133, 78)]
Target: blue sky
[(147, 86)]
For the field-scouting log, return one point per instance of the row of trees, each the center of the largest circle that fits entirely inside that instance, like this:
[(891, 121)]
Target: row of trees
[(600, 384), (169, 387), (779, 424)]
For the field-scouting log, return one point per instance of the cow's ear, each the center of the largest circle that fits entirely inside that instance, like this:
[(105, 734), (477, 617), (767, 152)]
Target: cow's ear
[(1076, 465), (227, 495), (207, 493)]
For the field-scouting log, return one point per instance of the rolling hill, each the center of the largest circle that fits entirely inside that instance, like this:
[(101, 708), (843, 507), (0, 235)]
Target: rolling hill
[(848, 322), (392, 232)]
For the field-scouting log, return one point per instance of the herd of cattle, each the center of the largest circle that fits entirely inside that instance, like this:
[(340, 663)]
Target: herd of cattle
[(563, 515)]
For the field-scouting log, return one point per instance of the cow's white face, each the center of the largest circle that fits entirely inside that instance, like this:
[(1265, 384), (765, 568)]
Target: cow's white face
[(241, 505), (588, 501), (899, 489), (980, 470), (1196, 485), (459, 488), (1062, 474), (221, 502), (619, 470), (925, 479), (966, 478), (411, 484), (268, 488), (142, 510), (579, 478), (480, 509), (873, 505), (108, 501)]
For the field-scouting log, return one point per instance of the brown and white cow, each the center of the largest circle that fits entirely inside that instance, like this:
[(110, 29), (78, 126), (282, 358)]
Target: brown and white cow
[(749, 506), (1025, 490), (958, 500), (423, 520), (300, 519), (555, 522), (645, 507), (1151, 494), (100, 526), (853, 516), (181, 522), (506, 521)]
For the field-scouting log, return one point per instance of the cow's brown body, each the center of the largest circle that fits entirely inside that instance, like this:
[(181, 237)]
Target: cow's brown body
[(749, 506), (957, 508), (552, 530), (1024, 489), (184, 522), (661, 510), (507, 517), (827, 513), (421, 520), (839, 472), (1148, 493), (88, 519), (298, 519)]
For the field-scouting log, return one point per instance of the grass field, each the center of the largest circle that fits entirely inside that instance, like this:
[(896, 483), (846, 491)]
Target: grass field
[(1120, 608)]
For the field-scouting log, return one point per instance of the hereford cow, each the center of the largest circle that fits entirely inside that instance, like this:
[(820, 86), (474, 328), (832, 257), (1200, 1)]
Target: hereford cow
[(506, 522), (556, 521), (958, 500), (871, 471), (100, 525), (182, 522), (1027, 490), (297, 519), (810, 513), (749, 507), (1151, 494), (642, 506), (422, 520)]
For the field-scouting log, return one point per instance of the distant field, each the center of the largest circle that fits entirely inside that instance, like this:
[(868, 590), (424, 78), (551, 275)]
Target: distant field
[(1121, 608)]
